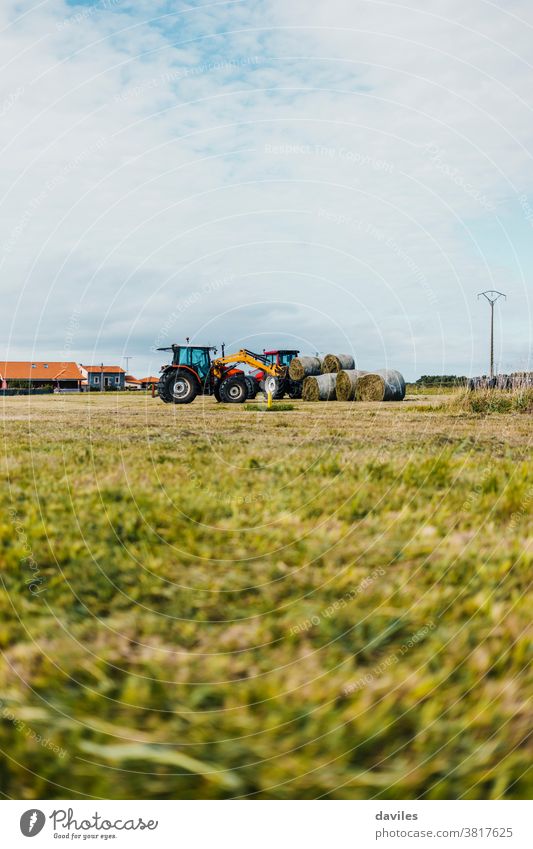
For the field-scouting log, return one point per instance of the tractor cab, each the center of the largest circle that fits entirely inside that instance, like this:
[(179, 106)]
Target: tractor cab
[(197, 358), (281, 358)]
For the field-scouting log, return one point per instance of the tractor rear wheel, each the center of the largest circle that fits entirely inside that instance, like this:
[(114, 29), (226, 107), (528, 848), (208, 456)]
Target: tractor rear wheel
[(295, 388), (233, 390), (178, 386)]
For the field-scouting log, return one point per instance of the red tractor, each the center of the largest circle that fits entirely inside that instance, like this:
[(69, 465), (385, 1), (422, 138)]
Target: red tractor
[(278, 386)]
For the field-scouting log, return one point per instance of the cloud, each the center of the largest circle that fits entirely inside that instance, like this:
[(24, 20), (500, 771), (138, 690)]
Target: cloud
[(357, 172)]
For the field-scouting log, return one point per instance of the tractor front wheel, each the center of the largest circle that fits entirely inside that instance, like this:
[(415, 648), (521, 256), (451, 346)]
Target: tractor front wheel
[(163, 388), (275, 386), (233, 390)]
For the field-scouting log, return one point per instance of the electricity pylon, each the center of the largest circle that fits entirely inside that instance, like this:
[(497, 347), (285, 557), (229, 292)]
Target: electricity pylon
[(492, 296)]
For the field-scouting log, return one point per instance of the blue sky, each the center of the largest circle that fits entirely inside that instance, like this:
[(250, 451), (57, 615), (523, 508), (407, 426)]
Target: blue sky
[(339, 177)]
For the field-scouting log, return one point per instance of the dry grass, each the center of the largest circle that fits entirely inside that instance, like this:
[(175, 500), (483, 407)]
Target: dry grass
[(333, 602), (493, 401)]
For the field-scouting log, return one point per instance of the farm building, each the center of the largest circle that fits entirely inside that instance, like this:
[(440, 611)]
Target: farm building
[(148, 382), (141, 382), (131, 382), (39, 375), (103, 377)]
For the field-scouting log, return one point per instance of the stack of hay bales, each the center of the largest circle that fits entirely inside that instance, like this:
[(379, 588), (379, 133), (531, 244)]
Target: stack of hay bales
[(334, 377)]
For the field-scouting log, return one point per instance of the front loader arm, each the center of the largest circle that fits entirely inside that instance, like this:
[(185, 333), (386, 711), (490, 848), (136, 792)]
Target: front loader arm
[(250, 359)]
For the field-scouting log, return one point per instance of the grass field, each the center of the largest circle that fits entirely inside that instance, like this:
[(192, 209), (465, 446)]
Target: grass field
[(207, 601)]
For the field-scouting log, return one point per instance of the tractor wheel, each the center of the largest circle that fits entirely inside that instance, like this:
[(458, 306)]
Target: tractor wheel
[(275, 386), (164, 386), (233, 390), (295, 389), (252, 387), (177, 386), (216, 392)]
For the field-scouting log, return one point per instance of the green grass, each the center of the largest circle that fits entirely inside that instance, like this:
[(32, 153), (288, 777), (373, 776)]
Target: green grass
[(331, 603), (415, 389), (277, 407)]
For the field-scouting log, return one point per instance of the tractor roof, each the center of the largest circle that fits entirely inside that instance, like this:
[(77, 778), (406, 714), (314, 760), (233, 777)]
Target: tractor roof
[(282, 351), (194, 347)]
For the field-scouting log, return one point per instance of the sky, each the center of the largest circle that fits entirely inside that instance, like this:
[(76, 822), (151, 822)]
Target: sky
[(333, 177)]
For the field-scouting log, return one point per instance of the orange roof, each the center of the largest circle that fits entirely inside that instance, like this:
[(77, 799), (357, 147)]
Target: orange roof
[(106, 369), (39, 371), (148, 380)]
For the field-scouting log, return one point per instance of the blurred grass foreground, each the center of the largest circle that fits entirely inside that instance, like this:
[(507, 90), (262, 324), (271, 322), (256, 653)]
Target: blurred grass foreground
[(202, 602)]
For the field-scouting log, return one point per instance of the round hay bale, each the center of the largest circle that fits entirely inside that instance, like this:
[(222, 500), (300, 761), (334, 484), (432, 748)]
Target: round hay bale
[(337, 362), (381, 385), (302, 367), (347, 384), (321, 387)]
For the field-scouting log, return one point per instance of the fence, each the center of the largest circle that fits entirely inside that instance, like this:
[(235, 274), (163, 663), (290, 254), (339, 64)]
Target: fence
[(515, 381)]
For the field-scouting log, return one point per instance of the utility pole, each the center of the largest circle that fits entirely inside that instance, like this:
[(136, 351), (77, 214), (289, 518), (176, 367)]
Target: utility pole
[(127, 363), (492, 295)]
